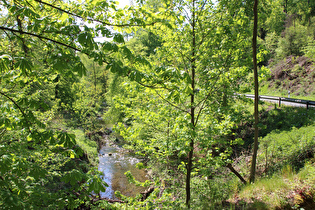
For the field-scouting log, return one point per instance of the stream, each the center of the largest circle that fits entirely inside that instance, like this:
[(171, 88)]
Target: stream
[(114, 162)]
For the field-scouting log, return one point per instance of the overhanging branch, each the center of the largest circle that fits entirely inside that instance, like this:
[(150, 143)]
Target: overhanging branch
[(40, 37), (21, 110), (91, 19)]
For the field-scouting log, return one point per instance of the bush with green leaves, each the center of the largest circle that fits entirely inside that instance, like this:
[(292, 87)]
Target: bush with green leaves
[(292, 147), (309, 49), (294, 40)]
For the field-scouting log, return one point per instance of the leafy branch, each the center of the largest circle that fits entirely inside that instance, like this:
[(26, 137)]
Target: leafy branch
[(91, 19), (21, 110), (170, 103), (39, 36)]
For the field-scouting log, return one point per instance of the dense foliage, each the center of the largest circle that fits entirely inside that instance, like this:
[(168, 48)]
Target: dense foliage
[(164, 75)]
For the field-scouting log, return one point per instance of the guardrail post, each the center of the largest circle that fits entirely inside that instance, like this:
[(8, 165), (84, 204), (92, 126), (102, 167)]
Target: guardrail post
[(307, 103), (279, 101)]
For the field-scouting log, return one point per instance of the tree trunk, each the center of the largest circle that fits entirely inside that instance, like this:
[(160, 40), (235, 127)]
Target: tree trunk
[(192, 110), (254, 157), (188, 175)]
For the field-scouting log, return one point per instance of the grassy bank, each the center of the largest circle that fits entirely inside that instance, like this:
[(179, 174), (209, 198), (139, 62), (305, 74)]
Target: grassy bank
[(89, 147), (286, 189), (285, 164)]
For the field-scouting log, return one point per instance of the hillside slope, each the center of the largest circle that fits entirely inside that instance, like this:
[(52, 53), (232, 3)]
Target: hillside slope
[(295, 74)]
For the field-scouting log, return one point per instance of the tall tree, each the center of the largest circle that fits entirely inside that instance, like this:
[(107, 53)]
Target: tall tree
[(254, 45), (190, 80)]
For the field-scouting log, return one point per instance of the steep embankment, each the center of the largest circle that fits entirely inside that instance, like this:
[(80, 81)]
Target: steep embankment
[(295, 74)]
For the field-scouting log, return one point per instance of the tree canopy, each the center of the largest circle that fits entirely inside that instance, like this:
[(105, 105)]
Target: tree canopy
[(163, 73)]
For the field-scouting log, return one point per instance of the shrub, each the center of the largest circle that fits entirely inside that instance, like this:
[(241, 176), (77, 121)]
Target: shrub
[(294, 41)]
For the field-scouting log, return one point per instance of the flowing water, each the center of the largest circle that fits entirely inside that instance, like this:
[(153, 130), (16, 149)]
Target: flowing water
[(114, 162)]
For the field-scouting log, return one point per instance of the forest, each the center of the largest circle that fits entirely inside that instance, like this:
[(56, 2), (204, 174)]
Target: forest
[(165, 80)]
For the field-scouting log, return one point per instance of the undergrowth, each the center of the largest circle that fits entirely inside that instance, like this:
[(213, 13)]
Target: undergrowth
[(293, 148), (88, 146), (284, 190), (285, 169)]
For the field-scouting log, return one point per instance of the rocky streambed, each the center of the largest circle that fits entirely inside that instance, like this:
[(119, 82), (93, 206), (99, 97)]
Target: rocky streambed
[(114, 161)]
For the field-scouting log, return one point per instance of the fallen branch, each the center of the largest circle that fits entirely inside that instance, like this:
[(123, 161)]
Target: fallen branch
[(110, 200), (236, 173), (146, 193), (95, 199)]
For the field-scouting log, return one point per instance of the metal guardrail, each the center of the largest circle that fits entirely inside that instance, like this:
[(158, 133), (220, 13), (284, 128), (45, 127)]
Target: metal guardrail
[(307, 103)]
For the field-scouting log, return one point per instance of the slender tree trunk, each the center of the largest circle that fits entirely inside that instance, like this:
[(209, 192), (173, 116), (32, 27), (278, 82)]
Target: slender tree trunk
[(253, 165), (188, 175), (94, 71), (192, 110), (309, 15)]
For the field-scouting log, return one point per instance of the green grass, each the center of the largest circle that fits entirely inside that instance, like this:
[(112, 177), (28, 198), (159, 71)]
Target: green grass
[(285, 171), (285, 190), (269, 191), (271, 119), (285, 176), (265, 90), (88, 146)]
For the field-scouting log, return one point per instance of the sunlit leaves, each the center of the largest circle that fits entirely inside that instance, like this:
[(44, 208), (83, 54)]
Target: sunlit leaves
[(25, 65), (39, 63), (4, 62), (191, 76)]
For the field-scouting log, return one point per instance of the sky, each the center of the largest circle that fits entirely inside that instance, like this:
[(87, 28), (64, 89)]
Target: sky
[(123, 3)]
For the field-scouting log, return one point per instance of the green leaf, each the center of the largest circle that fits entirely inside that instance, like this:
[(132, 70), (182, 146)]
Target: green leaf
[(80, 68), (25, 65), (119, 38), (37, 172), (5, 163), (97, 185), (105, 31), (61, 137), (127, 53), (4, 63), (73, 177), (107, 46), (69, 140), (86, 40)]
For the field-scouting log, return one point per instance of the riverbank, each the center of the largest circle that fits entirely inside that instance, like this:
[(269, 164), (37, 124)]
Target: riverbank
[(89, 147)]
